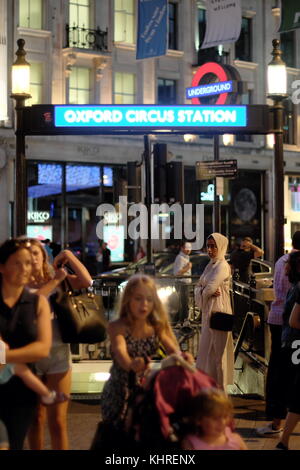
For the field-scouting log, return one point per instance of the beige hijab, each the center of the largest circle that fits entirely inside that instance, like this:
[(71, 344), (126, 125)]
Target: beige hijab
[(222, 244)]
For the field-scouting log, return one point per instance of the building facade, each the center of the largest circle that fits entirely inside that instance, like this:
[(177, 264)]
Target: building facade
[(83, 51)]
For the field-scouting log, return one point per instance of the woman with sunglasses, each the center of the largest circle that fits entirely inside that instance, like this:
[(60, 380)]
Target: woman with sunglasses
[(55, 370), (215, 354), (26, 327)]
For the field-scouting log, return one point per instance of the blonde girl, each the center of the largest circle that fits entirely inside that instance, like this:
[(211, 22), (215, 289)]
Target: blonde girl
[(142, 325), (55, 370), (209, 416)]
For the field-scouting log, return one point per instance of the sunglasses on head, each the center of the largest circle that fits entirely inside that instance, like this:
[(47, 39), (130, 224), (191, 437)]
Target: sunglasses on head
[(24, 242)]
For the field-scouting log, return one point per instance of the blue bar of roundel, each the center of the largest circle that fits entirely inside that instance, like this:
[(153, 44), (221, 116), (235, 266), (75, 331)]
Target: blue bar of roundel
[(202, 90), (152, 30), (152, 116)]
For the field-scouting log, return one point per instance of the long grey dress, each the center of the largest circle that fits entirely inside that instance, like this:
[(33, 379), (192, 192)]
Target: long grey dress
[(215, 355)]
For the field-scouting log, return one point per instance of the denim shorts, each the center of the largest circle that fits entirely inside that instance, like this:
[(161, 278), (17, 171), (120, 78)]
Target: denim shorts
[(6, 373), (58, 361)]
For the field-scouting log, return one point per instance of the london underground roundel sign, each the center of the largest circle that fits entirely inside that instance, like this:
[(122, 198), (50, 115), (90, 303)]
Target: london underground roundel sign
[(201, 88)]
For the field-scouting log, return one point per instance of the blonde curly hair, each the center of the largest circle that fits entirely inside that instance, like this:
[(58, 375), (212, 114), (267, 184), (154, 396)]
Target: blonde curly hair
[(158, 318), (47, 270)]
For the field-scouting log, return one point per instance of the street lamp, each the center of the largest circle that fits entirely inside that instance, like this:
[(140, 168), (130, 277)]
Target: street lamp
[(20, 93), (277, 87)]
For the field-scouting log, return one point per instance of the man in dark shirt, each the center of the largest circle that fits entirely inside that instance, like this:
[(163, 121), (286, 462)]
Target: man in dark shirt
[(106, 257), (241, 257)]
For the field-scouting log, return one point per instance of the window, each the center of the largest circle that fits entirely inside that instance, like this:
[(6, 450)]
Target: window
[(79, 86), (287, 45), (246, 99), (124, 21), (36, 83), (166, 91), (30, 14), (79, 13), (75, 190), (173, 26), (294, 188), (243, 46), (288, 122), (124, 88)]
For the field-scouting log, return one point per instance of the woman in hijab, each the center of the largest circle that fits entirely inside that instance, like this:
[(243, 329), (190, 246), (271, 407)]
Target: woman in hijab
[(215, 354)]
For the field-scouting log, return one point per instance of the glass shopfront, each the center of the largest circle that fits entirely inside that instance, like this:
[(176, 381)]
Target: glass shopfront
[(241, 206), (62, 203)]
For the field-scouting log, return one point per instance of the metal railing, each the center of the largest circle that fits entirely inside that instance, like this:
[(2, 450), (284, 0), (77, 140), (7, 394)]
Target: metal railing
[(86, 38), (251, 322), (250, 312)]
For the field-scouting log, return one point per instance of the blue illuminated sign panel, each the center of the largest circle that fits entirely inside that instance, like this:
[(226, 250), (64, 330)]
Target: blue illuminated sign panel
[(150, 116), (209, 90)]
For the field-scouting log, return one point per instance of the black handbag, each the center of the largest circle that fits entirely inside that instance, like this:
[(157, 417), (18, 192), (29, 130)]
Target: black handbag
[(221, 321), (80, 315)]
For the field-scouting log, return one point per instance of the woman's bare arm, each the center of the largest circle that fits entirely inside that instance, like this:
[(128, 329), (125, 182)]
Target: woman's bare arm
[(82, 277), (51, 285), (294, 320)]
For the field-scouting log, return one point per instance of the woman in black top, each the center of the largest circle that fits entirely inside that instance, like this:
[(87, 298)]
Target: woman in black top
[(25, 327), (291, 342)]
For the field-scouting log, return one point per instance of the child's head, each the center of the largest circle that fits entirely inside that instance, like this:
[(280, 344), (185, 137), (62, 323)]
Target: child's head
[(210, 411), (140, 299)]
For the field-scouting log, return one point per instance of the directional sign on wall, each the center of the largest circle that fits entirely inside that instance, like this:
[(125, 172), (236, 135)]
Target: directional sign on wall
[(211, 169)]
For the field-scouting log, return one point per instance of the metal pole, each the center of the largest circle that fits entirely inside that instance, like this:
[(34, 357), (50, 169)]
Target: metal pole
[(20, 170), (217, 207), (278, 180), (148, 199), (64, 210)]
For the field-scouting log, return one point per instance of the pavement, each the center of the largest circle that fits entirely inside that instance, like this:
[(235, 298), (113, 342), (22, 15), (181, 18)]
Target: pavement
[(83, 418)]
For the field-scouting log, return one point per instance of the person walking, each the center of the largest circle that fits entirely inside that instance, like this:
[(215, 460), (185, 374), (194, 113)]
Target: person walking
[(241, 257), (183, 269), (215, 354), (293, 416), (103, 257), (106, 253), (140, 254), (56, 368), (47, 246), (275, 411), (25, 326)]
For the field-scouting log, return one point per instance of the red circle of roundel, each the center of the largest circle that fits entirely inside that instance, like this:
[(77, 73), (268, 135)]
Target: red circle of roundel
[(219, 71)]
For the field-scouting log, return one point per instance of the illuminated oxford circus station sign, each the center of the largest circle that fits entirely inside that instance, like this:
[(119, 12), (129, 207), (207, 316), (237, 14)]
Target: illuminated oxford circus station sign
[(150, 116), (212, 84)]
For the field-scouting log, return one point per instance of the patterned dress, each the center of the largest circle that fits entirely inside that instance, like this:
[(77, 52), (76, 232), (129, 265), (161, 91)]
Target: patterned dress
[(115, 391)]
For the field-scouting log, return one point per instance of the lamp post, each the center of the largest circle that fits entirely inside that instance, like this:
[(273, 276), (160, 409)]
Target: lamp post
[(20, 93), (277, 86)]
